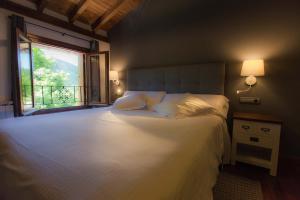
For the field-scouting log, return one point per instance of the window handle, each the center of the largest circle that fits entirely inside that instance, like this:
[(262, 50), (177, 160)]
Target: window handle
[(266, 130), (246, 127)]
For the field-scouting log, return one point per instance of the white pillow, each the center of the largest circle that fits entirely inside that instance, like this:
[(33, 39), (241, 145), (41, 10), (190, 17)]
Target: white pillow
[(151, 97), (168, 106), (184, 105), (176, 97), (220, 102), (130, 102), (191, 106)]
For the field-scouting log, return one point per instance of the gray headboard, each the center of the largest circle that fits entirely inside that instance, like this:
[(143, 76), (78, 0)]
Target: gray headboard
[(198, 78)]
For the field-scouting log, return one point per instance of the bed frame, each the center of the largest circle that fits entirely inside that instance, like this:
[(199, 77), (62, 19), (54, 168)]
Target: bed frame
[(206, 78)]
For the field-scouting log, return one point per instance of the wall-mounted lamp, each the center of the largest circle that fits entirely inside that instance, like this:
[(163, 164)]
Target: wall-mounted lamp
[(252, 68), (119, 91), (114, 76)]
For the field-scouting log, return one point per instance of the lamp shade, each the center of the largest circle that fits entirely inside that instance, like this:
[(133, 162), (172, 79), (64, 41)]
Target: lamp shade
[(253, 68), (113, 76)]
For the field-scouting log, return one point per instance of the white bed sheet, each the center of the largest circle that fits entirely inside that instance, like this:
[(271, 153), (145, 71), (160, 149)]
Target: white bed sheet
[(111, 155)]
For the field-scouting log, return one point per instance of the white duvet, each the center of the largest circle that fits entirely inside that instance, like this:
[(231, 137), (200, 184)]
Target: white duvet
[(110, 155)]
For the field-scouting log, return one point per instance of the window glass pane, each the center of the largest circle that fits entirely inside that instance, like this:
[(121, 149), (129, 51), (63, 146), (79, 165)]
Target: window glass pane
[(57, 76)]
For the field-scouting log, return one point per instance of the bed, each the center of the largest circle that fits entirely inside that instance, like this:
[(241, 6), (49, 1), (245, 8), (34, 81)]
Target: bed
[(108, 154)]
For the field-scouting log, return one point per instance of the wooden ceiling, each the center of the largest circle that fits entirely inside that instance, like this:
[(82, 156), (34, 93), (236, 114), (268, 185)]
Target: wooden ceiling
[(96, 14), (99, 14)]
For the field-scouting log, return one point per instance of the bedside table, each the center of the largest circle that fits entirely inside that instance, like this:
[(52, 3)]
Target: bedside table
[(255, 140)]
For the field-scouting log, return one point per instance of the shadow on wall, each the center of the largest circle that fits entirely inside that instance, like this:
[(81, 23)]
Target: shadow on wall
[(159, 34)]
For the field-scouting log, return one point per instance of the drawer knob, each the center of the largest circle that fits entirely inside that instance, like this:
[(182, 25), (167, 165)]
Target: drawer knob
[(246, 127), (266, 130), (254, 139)]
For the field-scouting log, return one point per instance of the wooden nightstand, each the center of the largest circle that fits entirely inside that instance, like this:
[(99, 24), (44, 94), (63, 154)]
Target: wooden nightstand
[(255, 140)]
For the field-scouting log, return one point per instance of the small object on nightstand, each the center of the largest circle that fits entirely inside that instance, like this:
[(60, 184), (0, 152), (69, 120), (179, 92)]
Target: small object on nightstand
[(255, 140)]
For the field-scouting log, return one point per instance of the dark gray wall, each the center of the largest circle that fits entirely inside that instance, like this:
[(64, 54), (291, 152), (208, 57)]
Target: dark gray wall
[(193, 31)]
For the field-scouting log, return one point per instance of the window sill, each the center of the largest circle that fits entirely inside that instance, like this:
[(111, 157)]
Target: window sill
[(57, 110)]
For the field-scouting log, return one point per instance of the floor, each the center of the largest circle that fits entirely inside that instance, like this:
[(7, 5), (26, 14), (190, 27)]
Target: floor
[(286, 186)]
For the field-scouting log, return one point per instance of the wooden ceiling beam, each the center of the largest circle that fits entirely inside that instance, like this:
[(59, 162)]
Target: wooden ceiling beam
[(41, 5), (80, 8), (108, 15), (9, 5)]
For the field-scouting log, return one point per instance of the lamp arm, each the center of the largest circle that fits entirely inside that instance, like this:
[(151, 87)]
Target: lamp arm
[(117, 82), (246, 90)]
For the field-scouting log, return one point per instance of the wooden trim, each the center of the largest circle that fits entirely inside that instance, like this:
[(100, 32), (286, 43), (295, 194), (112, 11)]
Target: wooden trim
[(43, 40), (56, 110), (87, 78), (80, 7), (256, 117), (41, 5), (108, 15), (31, 76), (98, 72), (106, 75), (84, 79), (49, 19), (15, 77)]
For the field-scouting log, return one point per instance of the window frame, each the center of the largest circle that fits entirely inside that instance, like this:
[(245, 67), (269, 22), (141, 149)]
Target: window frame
[(85, 51), (17, 34)]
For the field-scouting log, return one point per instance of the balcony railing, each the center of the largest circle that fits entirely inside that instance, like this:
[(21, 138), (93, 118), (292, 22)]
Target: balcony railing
[(46, 96)]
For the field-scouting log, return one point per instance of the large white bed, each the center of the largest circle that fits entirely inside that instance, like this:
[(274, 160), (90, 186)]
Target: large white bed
[(112, 155)]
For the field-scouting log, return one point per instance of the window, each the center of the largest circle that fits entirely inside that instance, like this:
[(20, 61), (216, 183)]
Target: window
[(57, 78), (48, 73), (52, 74)]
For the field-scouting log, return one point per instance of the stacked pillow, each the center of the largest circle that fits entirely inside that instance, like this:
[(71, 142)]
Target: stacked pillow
[(136, 100), (173, 105), (181, 105), (168, 107), (151, 97), (130, 102)]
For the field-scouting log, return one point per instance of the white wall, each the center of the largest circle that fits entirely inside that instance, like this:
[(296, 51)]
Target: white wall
[(5, 81)]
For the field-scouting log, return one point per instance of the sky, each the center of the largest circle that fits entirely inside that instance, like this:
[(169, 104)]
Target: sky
[(60, 54)]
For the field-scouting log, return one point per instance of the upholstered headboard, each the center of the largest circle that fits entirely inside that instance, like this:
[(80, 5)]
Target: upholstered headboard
[(198, 78)]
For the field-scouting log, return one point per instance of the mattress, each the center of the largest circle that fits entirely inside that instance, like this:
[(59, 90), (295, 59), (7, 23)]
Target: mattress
[(106, 154)]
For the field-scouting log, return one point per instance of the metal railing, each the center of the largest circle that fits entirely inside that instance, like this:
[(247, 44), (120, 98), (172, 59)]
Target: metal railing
[(52, 96)]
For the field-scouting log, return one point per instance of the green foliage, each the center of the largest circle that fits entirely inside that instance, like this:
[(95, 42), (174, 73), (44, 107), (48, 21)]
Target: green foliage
[(49, 88), (40, 60)]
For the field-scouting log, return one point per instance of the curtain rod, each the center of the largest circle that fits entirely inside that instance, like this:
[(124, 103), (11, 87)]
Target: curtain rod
[(62, 33)]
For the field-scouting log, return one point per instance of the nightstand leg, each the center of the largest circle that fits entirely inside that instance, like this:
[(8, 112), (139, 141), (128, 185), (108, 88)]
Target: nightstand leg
[(274, 162), (233, 152), (274, 156)]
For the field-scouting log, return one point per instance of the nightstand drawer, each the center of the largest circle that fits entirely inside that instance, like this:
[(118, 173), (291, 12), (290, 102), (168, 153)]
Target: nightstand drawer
[(244, 127), (256, 140), (253, 133), (268, 129)]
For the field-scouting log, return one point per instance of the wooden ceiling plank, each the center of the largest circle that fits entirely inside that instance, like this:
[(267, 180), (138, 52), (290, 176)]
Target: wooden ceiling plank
[(109, 14), (41, 5), (9, 5), (79, 9)]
